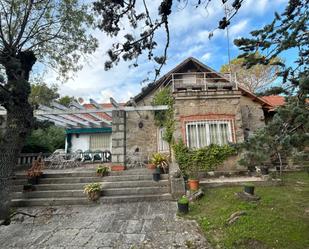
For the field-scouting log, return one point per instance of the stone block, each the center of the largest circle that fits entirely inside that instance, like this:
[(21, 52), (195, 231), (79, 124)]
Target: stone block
[(118, 150), (120, 127), (118, 135)]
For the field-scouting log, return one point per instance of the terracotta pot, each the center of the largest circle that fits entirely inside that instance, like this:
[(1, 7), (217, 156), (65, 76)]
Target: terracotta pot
[(94, 196), (151, 166), (194, 184), (118, 168)]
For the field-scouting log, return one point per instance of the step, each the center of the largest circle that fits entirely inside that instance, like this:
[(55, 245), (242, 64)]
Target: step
[(84, 201), (72, 186), (135, 198), (48, 194), (135, 191), (50, 201), (84, 180), (98, 179)]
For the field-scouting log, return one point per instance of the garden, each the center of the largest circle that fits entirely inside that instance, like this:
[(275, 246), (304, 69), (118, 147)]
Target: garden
[(280, 219)]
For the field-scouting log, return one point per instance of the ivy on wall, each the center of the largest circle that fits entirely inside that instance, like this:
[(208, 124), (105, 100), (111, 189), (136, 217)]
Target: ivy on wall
[(205, 159), (165, 118)]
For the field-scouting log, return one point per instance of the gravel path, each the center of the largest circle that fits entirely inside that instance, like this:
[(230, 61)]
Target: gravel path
[(119, 226)]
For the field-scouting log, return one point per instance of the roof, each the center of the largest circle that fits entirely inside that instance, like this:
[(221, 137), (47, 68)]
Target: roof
[(101, 114), (274, 100), (203, 68)]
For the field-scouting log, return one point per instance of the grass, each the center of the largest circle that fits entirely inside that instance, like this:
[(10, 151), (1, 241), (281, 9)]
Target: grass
[(280, 220)]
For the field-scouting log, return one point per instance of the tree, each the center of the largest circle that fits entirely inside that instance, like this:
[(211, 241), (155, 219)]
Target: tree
[(289, 130), (66, 100), (255, 78), (54, 32), (42, 94), (115, 12)]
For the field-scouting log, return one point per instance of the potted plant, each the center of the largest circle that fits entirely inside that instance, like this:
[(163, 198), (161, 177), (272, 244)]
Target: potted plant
[(183, 204), (160, 161), (156, 175), (193, 181), (102, 171), (249, 189), (93, 191), (34, 176), (28, 187)]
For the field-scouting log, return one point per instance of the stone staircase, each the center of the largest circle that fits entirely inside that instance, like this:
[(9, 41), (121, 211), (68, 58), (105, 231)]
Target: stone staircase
[(57, 188)]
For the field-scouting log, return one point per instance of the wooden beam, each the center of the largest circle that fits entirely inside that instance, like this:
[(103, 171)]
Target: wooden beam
[(41, 118), (126, 108), (64, 116), (81, 116), (80, 107)]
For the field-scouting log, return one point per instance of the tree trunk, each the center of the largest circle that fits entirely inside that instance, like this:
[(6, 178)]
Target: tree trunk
[(19, 122)]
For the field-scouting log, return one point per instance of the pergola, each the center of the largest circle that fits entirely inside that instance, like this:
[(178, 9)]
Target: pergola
[(77, 116)]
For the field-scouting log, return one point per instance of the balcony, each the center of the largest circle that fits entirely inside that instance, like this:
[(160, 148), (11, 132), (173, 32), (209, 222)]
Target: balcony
[(207, 81)]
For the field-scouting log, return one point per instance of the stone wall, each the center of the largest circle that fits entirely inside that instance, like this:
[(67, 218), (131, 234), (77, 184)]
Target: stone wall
[(119, 137), (141, 140), (252, 115), (223, 105)]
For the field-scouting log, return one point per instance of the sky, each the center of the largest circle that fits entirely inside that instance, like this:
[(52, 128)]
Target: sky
[(189, 29)]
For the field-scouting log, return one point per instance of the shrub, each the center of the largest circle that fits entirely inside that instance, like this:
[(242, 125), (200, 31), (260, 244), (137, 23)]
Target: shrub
[(92, 187), (183, 200), (191, 161), (102, 170)]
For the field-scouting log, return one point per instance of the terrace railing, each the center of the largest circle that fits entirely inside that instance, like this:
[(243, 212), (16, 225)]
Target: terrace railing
[(207, 81), (26, 159)]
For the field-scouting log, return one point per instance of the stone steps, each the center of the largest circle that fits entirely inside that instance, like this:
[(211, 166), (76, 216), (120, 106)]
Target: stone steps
[(66, 188), (84, 201), (80, 193), (76, 186)]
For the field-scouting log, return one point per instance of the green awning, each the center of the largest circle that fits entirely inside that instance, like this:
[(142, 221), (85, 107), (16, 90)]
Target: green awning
[(89, 130)]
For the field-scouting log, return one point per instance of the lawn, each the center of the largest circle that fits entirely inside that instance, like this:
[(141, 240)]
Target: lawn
[(279, 220)]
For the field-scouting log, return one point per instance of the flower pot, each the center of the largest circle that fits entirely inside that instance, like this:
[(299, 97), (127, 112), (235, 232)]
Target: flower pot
[(249, 190), (264, 171), (151, 166), (194, 184), (156, 176), (34, 180), (94, 196), (118, 168), (183, 208), (28, 188)]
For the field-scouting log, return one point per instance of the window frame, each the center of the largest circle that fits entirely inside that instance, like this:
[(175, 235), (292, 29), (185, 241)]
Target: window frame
[(160, 140), (207, 123)]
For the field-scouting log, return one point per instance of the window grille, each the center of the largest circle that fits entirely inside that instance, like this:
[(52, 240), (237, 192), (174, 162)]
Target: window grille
[(203, 133)]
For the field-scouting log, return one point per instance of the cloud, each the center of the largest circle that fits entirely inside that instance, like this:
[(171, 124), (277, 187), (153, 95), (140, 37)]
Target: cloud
[(239, 28), (206, 56), (189, 31)]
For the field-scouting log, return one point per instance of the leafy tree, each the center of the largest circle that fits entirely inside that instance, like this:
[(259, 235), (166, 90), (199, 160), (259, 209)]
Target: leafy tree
[(254, 78), (66, 100), (45, 139), (42, 94), (115, 12), (54, 32), (289, 129)]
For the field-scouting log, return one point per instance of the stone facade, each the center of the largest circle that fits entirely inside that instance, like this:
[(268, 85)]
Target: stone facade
[(119, 137), (194, 106), (141, 139), (252, 115)]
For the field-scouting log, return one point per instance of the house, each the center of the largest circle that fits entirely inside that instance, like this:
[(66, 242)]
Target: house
[(209, 107)]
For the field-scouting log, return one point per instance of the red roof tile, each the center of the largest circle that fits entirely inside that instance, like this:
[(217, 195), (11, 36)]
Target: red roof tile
[(274, 100)]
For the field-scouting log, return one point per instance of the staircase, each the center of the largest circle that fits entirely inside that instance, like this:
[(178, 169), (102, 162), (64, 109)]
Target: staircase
[(57, 188)]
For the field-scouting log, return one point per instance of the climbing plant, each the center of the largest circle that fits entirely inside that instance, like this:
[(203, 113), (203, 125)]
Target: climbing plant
[(165, 118), (205, 159)]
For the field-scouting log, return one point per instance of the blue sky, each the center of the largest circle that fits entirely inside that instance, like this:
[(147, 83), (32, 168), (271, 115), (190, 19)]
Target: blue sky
[(189, 28)]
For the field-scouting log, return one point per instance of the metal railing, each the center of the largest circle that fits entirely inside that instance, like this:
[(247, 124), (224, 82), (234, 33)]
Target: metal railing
[(26, 159), (207, 81)]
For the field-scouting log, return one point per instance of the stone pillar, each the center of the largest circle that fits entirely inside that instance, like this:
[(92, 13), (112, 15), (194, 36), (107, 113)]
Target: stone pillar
[(118, 137)]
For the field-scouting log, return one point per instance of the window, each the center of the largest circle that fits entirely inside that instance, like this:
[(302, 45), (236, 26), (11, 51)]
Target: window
[(100, 141), (202, 133), (162, 144)]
